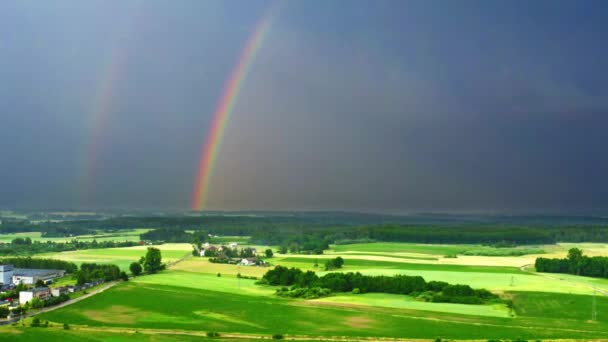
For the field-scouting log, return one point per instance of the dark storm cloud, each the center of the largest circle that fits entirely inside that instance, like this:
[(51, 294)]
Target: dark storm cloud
[(387, 106)]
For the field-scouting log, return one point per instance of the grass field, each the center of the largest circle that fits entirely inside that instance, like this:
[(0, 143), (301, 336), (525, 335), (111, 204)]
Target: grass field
[(151, 302), (191, 299), (123, 256)]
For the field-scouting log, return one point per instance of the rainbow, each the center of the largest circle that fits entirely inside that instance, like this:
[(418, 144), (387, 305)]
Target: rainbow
[(104, 101), (103, 105), (223, 112)]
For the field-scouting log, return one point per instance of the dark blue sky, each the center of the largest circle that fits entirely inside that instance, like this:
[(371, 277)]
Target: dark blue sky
[(361, 105)]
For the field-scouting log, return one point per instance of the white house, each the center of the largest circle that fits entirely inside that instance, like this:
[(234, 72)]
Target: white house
[(233, 244), (248, 262), (39, 292)]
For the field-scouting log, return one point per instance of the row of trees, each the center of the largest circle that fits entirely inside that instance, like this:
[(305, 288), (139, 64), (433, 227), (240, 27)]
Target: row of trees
[(175, 236), (30, 262), (25, 246), (575, 263), (435, 291), (90, 272)]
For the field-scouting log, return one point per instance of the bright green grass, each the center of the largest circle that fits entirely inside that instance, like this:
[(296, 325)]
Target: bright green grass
[(397, 256), (562, 306), (57, 333), (136, 305), (359, 264), (397, 247), (123, 256), (405, 302), (230, 284), (491, 281)]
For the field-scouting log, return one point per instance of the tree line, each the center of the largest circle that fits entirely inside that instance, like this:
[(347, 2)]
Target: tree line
[(312, 232), (68, 267), (25, 246), (309, 285), (575, 263)]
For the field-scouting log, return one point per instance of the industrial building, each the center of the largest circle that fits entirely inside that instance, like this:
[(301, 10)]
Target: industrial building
[(27, 276)]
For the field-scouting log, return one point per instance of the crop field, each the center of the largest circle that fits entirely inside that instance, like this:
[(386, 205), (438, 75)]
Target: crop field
[(183, 300), (195, 296), (122, 256)]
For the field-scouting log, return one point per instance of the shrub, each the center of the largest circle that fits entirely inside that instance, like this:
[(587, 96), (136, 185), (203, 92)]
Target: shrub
[(219, 274), (4, 311), (66, 326), (36, 322), (212, 334), (356, 290), (277, 337)]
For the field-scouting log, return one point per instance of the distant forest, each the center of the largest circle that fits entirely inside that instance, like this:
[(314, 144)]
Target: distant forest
[(314, 231)]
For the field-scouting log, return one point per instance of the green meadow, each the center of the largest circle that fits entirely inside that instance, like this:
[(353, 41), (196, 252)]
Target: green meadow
[(122, 256), (156, 302), (190, 299)]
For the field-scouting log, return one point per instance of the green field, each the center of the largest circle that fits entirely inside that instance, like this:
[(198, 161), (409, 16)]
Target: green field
[(151, 302), (190, 299), (123, 256), (396, 247)]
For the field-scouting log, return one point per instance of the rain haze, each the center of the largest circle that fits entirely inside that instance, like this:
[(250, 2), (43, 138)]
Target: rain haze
[(388, 106)]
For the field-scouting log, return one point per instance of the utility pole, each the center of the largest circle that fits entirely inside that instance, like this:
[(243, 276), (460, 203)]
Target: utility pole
[(512, 280)]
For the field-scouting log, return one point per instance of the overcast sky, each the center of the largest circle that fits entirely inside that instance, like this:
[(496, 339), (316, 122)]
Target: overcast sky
[(392, 106)]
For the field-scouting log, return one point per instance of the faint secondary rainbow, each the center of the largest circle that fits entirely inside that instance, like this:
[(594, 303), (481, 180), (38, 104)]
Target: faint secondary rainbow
[(104, 101), (223, 112)]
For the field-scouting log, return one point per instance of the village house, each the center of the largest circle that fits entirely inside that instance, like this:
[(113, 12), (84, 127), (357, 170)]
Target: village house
[(58, 291), (248, 262), (42, 293)]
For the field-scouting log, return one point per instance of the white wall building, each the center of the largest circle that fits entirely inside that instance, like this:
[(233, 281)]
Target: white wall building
[(6, 274)]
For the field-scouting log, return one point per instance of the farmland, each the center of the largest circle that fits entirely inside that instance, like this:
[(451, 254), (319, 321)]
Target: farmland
[(120, 256), (195, 296)]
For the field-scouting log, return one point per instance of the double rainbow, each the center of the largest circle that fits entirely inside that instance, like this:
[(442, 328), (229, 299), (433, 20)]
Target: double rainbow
[(223, 112)]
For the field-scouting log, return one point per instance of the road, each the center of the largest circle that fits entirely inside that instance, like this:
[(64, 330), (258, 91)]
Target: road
[(66, 303)]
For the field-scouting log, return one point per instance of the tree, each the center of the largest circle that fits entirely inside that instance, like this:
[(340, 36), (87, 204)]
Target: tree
[(269, 253), (283, 250), (124, 276), (4, 311), (152, 262), (135, 268), (36, 322), (40, 283), (37, 303)]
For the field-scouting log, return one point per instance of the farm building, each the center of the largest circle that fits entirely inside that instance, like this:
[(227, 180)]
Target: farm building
[(6, 274), (58, 291), (42, 293), (30, 276)]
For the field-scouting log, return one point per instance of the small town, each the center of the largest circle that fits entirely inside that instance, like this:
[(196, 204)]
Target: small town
[(24, 288)]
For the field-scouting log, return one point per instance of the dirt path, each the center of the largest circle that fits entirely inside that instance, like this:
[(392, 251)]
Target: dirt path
[(250, 336)]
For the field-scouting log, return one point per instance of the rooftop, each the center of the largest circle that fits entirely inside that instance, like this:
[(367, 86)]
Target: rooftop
[(31, 272)]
